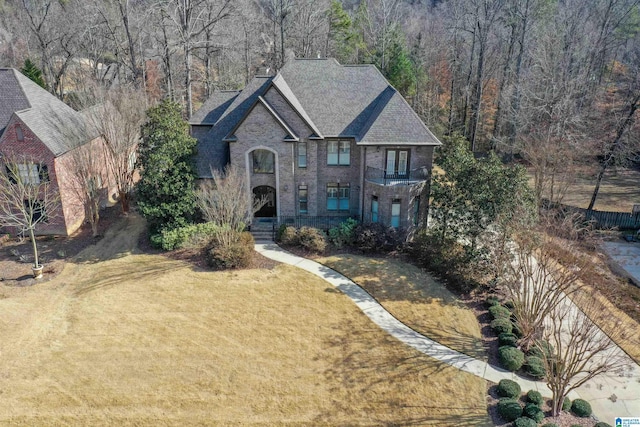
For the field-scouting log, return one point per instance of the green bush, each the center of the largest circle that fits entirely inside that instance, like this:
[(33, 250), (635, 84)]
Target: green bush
[(377, 238), (534, 412), (550, 425), (289, 236), (507, 339), (602, 424), (566, 404), (194, 235), (502, 326), (525, 422), (535, 397), (510, 358), (280, 232), (534, 366), (541, 349), (492, 300), (312, 239), (498, 311), (516, 330), (509, 409), (236, 255), (581, 408), (343, 234), (508, 388)]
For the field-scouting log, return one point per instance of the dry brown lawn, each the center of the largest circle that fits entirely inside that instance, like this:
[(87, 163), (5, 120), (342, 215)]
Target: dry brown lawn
[(125, 338), (618, 192), (414, 297)]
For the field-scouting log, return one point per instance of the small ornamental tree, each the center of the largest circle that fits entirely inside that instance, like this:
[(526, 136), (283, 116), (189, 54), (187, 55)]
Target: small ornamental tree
[(26, 197), (166, 195)]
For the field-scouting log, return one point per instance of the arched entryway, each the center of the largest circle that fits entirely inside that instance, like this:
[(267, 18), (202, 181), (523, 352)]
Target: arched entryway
[(269, 208)]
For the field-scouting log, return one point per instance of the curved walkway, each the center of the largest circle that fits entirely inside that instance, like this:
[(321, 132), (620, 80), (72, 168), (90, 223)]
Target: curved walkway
[(607, 410)]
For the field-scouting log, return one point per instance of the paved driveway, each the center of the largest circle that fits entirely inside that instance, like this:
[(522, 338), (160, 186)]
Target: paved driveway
[(627, 256)]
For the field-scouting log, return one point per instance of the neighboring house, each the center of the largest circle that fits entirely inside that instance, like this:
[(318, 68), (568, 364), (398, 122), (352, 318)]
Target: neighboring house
[(321, 139), (36, 125)]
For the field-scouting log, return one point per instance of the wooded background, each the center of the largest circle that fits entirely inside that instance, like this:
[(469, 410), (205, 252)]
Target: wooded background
[(553, 82)]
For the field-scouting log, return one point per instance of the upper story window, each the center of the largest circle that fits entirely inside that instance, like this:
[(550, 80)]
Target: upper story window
[(19, 133), (263, 161), (397, 162), (339, 153), (302, 154), (28, 173)]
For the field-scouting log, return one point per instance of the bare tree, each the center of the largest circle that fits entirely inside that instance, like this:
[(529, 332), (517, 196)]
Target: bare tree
[(117, 121), (540, 275), (579, 350), (26, 198), (223, 202)]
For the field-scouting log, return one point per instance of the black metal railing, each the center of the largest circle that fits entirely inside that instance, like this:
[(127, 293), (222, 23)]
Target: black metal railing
[(382, 177)]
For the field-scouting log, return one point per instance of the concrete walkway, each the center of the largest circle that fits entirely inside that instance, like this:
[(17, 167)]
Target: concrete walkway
[(625, 386)]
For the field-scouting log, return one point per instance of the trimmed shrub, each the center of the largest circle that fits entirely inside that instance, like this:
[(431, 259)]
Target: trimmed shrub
[(534, 412), (575, 425), (535, 397), (289, 236), (566, 404), (492, 300), (377, 238), (237, 255), (509, 409), (195, 235), (502, 326), (312, 239), (541, 349), (507, 339), (581, 408), (280, 232), (534, 366), (498, 311), (511, 358), (343, 234), (602, 424), (508, 388), (525, 422)]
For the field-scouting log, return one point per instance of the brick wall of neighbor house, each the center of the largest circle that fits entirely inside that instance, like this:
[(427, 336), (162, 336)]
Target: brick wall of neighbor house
[(338, 174), (32, 147), (260, 128)]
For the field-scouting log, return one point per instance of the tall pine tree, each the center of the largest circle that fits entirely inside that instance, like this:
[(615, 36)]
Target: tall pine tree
[(33, 72)]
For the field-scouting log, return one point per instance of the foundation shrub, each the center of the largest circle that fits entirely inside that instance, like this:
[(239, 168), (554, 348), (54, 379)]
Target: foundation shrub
[(502, 326), (525, 422), (533, 411), (509, 409), (507, 339), (534, 366), (510, 358), (312, 239), (535, 397), (499, 312), (508, 388), (234, 256), (288, 236), (581, 408), (376, 238)]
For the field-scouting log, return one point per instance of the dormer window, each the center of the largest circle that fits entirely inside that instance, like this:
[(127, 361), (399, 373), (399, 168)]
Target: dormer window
[(19, 133)]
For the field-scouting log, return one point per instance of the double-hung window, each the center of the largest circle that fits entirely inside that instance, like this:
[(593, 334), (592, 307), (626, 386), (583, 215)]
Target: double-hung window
[(338, 197), (395, 213), (397, 163), (303, 196), (28, 173), (302, 154), (338, 153)]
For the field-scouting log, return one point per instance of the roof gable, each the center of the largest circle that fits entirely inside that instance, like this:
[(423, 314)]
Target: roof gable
[(290, 134)]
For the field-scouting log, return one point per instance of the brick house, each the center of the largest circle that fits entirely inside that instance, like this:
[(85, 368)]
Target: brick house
[(321, 139), (36, 125)]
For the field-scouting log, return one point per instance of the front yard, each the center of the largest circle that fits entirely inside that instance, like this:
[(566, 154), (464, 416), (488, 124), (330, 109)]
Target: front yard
[(127, 338)]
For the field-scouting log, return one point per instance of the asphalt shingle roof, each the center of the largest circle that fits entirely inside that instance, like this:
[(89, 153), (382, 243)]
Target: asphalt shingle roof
[(57, 125), (335, 100)]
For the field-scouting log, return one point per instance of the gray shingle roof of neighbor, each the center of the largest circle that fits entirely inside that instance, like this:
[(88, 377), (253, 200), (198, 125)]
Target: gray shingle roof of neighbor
[(336, 100), (57, 125)]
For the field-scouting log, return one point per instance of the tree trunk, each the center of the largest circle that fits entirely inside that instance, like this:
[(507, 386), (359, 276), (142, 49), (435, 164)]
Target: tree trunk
[(36, 260)]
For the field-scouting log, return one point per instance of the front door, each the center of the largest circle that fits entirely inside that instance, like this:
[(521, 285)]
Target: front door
[(269, 208)]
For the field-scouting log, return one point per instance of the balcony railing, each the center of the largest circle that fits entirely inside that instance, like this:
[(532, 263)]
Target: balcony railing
[(381, 177)]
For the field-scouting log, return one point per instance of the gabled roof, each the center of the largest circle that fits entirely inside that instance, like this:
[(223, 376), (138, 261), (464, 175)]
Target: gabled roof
[(353, 101), (57, 125), (290, 134), (214, 107)]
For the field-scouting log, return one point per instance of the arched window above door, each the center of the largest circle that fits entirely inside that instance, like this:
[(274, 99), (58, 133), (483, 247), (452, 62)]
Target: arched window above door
[(263, 161)]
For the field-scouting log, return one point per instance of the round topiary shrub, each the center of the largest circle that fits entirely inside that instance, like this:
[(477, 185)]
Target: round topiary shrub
[(566, 404), (525, 422), (508, 388), (541, 349), (534, 366), (509, 409), (502, 325), (602, 424), (312, 239), (581, 408), (534, 412), (535, 397), (510, 358), (492, 300), (497, 312), (288, 236), (507, 339)]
